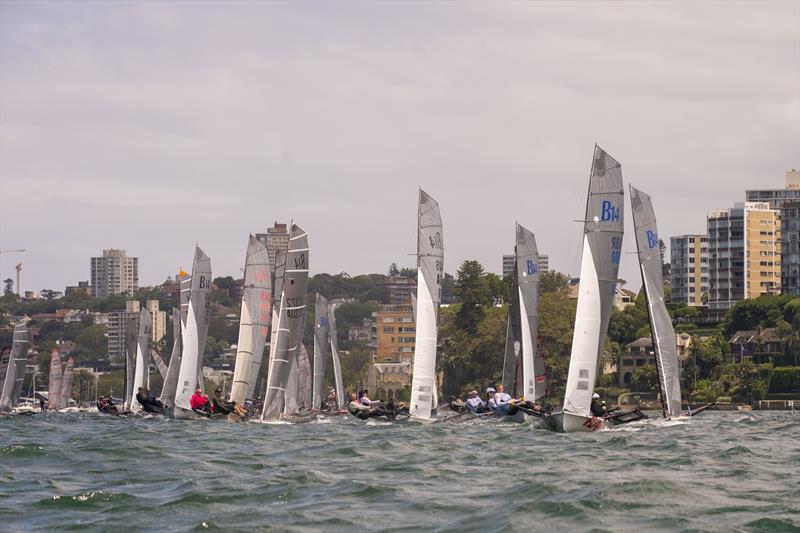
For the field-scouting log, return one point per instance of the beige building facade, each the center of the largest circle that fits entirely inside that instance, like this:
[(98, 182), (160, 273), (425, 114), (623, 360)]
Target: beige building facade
[(395, 336)]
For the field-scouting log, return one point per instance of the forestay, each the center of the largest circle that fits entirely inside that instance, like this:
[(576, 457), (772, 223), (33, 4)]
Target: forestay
[(650, 265), (15, 371), (254, 322), (291, 318), (430, 260), (602, 245)]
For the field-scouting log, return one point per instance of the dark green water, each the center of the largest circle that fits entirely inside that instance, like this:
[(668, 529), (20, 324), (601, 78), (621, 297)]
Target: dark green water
[(85, 472)]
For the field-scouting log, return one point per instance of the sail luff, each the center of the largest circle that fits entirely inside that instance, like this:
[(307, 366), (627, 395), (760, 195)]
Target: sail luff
[(291, 318), (54, 381), (602, 244), (15, 371), (663, 334)]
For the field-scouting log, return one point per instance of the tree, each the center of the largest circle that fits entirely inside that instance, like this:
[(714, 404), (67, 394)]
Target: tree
[(393, 270), (93, 340), (472, 293), (9, 286), (50, 294), (553, 281), (644, 379)]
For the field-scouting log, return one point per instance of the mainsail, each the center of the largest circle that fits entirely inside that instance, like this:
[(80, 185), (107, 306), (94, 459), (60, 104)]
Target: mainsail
[(161, 365), (277, 290), (141, 377), (533, 370), (304, 379), (650, 264), (430, 265), (54, 381), (131, 345), (194, 334), (66, 384), (321, 345), (171, 379), (256, 305), (290, 322), (15, 371), (602, 245), (341, 401), (511, 374)]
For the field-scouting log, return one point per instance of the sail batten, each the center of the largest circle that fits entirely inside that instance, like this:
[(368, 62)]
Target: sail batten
[(663, 334)]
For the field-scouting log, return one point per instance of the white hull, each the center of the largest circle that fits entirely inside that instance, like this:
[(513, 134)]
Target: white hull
[(566, 422), (179, 413)]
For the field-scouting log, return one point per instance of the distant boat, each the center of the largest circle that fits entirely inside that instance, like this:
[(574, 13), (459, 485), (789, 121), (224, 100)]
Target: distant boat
[(171, 379), (602, 246), (190, 376), (66, 383), (15, 371), (141, 376), (254, 321), (288, 331), (54, 382), (325, 342), (430, 272)]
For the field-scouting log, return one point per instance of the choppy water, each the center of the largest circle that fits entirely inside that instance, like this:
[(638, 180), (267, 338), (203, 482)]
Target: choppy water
[(721, 471)]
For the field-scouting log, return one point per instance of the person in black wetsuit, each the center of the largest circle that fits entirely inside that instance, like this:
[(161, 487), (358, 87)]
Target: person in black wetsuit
[(362, 411), (220, 405), (598, 408)]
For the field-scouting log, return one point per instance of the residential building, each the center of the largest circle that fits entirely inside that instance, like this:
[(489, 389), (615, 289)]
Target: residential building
[(81, 287), (115, 329), (508, 264), (790, 248), (776, 198), (762, 345), (365, 331), (640, 353), (159, 320), (400, 289), (395, 336), (623, 298), (114, 273), (689, 267), (276, 238), (744, 253)]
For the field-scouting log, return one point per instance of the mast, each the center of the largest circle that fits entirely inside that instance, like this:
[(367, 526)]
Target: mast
[(661, 330)]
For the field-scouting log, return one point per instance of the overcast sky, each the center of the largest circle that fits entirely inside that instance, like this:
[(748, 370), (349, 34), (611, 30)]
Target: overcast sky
[(152, 126)]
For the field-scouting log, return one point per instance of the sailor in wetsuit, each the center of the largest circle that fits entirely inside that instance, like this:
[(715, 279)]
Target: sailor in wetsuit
[(360, 410), (598, 408)]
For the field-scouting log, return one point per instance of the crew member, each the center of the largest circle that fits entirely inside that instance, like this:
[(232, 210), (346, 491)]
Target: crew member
[(490, 400), (502, 400), (474, 402), (219, 404), (598, 408)]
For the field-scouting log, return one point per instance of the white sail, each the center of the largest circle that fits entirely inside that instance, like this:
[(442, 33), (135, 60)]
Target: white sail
[(321, 345), (430, 264), (341, 401), (171, 379), (140, 374), (256, 306), (15, 371), (189, 377), (66, 384)]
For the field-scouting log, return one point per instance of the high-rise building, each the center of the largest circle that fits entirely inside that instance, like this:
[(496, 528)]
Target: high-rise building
[(689, 268), (400, 289), (116, 327), (159, 319), (777, 197), (790, 248), (114, 273), (508, 264), (276, 238), (744, 253)]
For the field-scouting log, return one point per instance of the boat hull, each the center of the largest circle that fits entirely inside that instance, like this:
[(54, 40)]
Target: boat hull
[(565, 422)]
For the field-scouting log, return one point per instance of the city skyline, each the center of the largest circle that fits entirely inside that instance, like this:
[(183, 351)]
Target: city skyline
[(149, 127)]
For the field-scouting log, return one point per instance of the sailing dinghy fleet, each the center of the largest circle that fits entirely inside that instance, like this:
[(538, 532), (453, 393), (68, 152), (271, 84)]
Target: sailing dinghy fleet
[(291, 382)]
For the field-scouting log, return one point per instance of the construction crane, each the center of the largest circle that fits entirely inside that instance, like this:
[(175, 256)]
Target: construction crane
[(18, 266)]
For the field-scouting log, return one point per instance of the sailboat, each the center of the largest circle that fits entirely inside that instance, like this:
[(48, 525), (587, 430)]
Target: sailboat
[(66, 384), (54, 382), (170, 386), (141, 376), (602, 246), (254, 321), (194, 336), (325, 343), (15, 371), (524, 376), (430, 272), (288, 330)]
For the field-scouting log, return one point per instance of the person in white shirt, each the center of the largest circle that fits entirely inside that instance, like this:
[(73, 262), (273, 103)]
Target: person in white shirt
[(502, 400), (474, 402)]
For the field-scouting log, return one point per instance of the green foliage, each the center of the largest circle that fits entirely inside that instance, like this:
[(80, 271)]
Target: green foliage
[(355, 366), (785, 379), (8, 286), (764, 311), (93, 341), (625, 326), (644, 379), (473, 295), (706, 391), (747, 381), (553, 281)]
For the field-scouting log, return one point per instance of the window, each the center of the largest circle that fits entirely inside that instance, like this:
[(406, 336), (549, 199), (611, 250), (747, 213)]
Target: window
[(388, 330), (388, 319)]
